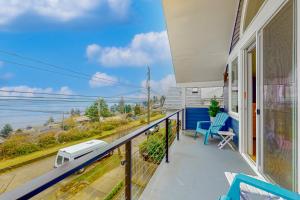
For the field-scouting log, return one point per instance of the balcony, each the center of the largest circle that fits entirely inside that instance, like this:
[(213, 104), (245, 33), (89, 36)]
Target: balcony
[(195, 170), (182, 168)]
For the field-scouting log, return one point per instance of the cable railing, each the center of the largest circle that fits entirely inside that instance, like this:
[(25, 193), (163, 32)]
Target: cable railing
[(137, 154)]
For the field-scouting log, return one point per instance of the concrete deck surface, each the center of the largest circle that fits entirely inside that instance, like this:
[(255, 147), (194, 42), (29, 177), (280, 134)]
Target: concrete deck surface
[(195, 171)]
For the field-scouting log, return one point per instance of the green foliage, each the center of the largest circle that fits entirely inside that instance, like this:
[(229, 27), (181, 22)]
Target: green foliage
[(75, 112), (73, 135), (49, 121), (69, 123), (162, 100), (93, 111), (108, 127), (155, 113), (214, 107), (121, 105), (6, 130), (95, 172), (47, 140), (17, 145), (142, 121), (137, 109), (128, 108), (153, 148), (114, 191)]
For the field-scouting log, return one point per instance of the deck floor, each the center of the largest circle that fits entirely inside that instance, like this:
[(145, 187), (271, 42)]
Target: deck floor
[(195, 171)]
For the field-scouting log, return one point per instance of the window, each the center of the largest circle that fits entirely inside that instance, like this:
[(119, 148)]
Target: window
[(234, 86), (253, 7), (59, 160), (66, 160)]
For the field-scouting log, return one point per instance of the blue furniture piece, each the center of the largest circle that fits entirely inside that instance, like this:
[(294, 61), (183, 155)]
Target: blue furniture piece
[(234, 190), (215, 126)]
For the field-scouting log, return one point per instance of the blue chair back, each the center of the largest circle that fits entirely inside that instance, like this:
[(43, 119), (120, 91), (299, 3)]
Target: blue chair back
[(235, 192), (218, 122)]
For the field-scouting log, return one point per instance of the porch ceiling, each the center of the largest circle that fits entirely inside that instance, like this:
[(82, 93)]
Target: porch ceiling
[(200, 34)]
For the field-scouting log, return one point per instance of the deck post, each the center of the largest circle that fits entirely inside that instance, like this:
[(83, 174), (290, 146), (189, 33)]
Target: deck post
[(177, 128), (167, 140), (128, 172), (182, 119)]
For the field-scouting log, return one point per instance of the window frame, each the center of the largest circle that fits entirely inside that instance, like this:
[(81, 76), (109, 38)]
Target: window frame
[(231, 112)]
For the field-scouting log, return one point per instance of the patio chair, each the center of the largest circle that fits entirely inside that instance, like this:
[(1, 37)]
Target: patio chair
[(242, 186), (215, 126)]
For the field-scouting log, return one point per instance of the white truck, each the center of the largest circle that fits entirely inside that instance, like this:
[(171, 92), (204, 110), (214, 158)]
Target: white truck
[(74, 152)]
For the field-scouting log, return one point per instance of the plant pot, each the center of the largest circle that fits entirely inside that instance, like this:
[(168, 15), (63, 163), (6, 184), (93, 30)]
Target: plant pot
[(212, 119)]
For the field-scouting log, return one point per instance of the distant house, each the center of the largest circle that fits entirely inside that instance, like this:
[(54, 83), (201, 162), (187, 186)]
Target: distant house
[(82, 119)]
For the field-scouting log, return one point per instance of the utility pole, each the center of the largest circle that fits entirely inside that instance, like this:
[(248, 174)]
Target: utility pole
[(148, 91), (99, 111), (62, 123)]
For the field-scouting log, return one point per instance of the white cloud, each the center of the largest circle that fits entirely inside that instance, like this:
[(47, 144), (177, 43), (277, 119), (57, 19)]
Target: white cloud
[(101, 80), (144, 49), (119, 7), (6, 76), (65, 90), (61, 10), (27, 91), (162, 86)]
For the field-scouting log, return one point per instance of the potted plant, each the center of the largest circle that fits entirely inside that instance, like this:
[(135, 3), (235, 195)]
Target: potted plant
[(213, 109)]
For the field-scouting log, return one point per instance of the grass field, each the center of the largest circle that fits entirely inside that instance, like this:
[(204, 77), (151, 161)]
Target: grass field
[(8, 164), (97, 171)]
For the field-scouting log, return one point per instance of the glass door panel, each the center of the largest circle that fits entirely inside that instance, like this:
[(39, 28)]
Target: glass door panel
[(279, 99)]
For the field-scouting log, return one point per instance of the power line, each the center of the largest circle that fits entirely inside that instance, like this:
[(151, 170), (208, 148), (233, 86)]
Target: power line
[(64, 101), (77, 73), (29, 110), (68, 95)]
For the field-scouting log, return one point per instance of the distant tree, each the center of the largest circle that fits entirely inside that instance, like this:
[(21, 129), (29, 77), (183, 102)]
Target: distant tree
[(128, 108), (93, 110), (75, 112), (6, 130), (49, 121), (162, 101), (114, 108), (155, 99), (137, 109), (121, 105)]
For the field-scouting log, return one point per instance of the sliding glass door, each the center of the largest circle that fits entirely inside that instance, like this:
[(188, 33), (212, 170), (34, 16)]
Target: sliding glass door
[(279, 99)]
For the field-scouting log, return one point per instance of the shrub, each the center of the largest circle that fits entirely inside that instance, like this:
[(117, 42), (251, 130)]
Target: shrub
[(18, 145), (73, 135), (155, 113), (142, 121), (108, 127), (47, 140), (153, 149)]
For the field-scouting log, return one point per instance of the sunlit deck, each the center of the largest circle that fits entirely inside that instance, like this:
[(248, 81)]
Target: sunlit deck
[(195, 171)]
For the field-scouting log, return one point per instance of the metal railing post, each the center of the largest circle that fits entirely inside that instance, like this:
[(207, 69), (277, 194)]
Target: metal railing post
[(177, 128), (167, 140), (128, 170), (182, 120)]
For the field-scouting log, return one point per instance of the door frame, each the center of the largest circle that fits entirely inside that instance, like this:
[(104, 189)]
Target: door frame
[(253, 43)]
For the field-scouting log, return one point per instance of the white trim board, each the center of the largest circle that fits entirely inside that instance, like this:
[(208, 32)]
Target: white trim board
[(202, 84), (298, 82)]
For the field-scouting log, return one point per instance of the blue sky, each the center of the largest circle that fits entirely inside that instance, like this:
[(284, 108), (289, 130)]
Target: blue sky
[(105, 39)]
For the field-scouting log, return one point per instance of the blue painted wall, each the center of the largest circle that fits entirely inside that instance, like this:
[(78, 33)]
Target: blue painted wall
[(192, 115)]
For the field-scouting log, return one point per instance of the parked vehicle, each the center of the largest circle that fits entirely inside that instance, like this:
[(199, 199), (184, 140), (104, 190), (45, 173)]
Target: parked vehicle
[(74, 152), (152, 130)]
